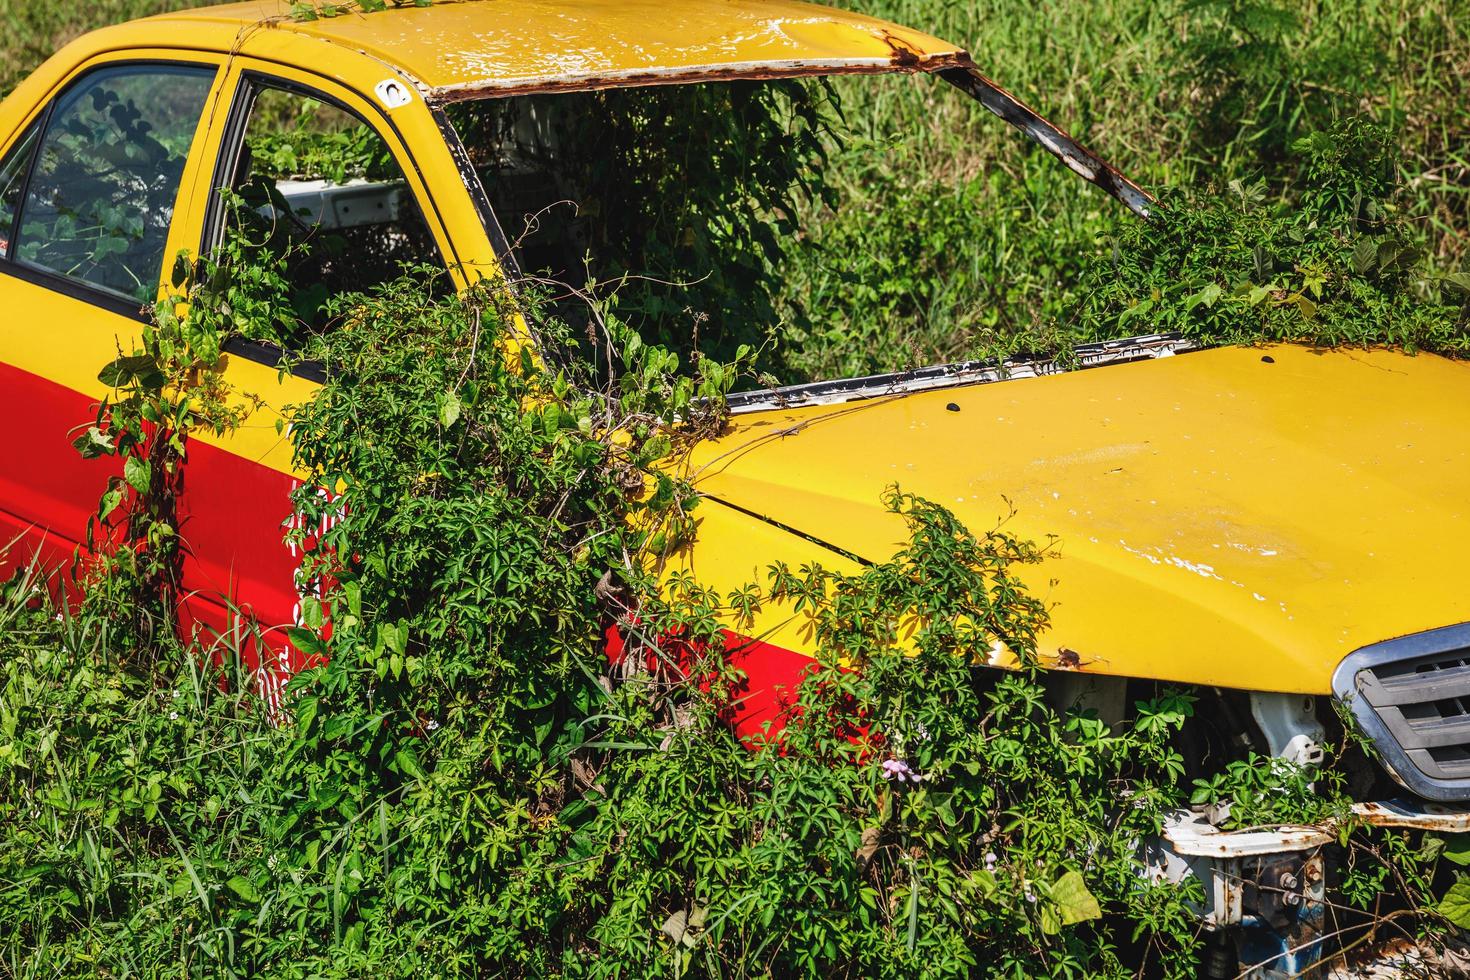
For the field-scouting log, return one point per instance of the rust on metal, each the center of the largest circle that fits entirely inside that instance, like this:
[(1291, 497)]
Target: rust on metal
[(1197, 837), (1197, 841), (904, 61), (957, 68), (1078, 158), (1068, 659), (1421, 815)]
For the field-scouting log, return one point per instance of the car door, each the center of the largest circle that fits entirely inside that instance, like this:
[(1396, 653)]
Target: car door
[(312, 154), (91, 190)]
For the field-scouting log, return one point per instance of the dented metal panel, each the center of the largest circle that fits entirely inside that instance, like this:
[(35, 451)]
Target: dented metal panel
[(1211, 528)]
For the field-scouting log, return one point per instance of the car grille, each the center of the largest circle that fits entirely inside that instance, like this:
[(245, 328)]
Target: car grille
[(1412, 698)]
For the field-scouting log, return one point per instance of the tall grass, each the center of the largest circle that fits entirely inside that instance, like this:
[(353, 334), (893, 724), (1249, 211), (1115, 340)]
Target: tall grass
[(960, 238), (31, 30)]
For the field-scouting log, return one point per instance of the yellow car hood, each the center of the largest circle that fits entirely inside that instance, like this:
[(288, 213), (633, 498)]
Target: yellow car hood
[(1241, 517)]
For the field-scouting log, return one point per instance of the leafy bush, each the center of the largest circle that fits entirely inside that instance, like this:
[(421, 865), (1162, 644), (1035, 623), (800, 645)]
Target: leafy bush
[(466, 784), (1335, 263), (678, 202)]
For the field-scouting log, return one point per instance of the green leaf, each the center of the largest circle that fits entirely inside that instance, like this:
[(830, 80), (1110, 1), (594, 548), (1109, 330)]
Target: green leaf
[(244, 888), (1365, 254), (1455, 906), (657, 448), (110, 501), (449, 409), (1074, 902), (1206, 297), (182, 269), (138, 473), (306, 709), (93, 443), (132, 368), (304, 640), (1457, 849), (1137, 309), (408, 764), (1459, 282)]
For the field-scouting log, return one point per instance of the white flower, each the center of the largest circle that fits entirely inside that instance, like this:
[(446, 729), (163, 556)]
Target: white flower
[(173, 716)]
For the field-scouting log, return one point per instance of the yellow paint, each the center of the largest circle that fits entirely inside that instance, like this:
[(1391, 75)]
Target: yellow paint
[(1220, 519), (86, 337), (507, 42)]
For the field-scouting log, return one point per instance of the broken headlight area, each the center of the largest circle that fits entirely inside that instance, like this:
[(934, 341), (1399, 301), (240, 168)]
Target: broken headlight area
[(1272, 907), (1273, 902)]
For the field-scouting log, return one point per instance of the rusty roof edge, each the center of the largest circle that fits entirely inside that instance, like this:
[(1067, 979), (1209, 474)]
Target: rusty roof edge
[(955, 67), (1078, 158), (903, 61)]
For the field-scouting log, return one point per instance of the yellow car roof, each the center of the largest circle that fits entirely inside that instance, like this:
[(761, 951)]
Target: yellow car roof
[(482, 47)]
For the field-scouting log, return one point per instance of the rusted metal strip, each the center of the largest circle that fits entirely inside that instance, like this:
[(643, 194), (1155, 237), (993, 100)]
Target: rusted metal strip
[(955, 67), (957, 375), (904, 62), (1082, 161)]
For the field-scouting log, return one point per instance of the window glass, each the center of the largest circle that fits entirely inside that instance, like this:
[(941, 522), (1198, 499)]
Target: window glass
[(99, 204), (320, 186), (12, 183)]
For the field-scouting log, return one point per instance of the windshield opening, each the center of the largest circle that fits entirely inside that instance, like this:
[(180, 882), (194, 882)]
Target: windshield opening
[(677, 203)]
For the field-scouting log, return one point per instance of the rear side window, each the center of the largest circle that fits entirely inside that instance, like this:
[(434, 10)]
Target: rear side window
[(101, 193), (318, 185), (13, 172)]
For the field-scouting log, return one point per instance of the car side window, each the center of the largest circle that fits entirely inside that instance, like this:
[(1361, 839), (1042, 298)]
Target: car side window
[(101, 193), (13, 172), (320, 186)]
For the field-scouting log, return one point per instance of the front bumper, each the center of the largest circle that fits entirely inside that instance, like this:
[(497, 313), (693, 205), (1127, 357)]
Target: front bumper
[(1267, 888)]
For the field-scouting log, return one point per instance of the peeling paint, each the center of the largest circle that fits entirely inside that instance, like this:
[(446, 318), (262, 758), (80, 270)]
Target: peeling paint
[(491, 87), (1054, 140)]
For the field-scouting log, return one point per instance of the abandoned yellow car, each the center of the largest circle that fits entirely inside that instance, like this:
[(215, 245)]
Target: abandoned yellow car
[(1282, 526)]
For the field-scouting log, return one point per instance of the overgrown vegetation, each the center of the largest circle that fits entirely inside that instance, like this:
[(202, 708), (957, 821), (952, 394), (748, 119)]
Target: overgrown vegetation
[(465, 784), (952, 237)]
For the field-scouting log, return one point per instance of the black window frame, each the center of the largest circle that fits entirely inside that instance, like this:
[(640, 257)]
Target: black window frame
[(56, 282)]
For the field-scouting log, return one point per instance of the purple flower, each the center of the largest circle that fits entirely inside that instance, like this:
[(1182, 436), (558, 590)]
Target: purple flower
[(900, 770)]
